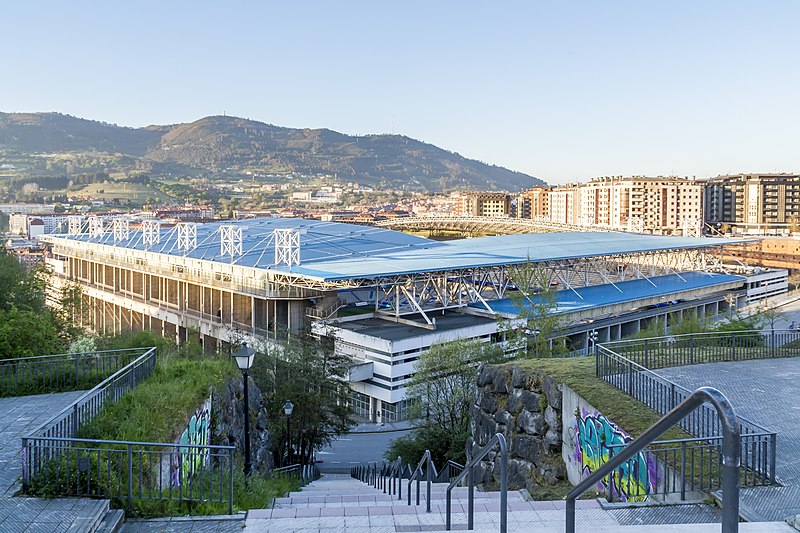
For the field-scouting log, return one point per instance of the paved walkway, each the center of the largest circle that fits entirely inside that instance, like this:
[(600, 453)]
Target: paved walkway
[(17, 416), (765, 392)]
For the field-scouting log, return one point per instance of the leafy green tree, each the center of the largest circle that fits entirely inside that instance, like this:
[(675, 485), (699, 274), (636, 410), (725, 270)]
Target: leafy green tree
[(18, 288), (689, 323), (313, 376), (441, 392), (443, 386), (25, 333), (769, 316)]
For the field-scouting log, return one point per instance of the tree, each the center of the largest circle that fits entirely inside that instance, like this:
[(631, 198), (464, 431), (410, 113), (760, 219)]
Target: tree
[(535, 299), (313, 376), (441, 393), (769, 316), (443, 386), (26, 333), (18, 288)]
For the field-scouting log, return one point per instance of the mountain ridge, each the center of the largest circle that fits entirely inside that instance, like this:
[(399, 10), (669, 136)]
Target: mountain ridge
[(224, 144)]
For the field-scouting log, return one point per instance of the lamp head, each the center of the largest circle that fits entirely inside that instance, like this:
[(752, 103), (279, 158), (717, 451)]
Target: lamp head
[(288, 407), (244, 357)]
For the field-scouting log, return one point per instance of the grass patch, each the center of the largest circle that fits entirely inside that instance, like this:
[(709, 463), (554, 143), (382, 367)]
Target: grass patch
[(157, 410), (579, 374)]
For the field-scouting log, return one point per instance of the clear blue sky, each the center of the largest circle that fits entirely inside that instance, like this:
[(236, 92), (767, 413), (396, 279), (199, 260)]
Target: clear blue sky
[(559, 90)]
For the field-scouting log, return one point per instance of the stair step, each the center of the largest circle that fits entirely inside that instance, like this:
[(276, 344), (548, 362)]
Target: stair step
[(90, 517), (112, 521), (458, 507)]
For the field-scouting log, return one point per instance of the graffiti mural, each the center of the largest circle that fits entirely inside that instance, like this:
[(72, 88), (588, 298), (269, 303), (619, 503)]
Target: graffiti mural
[(597, 439), (190, 460)]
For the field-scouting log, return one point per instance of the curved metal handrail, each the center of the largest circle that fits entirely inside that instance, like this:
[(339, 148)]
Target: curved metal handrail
[(469, 470), (730, 455), (430, 473)]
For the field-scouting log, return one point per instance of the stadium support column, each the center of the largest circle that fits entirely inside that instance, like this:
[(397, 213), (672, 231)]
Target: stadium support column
[(296, 315)]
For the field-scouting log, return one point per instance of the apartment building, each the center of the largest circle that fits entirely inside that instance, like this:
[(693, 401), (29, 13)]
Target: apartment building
[(659, 205), (534, 203), (766, 204), (486, 204)]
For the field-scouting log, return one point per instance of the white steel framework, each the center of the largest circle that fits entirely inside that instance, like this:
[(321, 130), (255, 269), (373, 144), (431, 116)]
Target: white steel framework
[(151, 232), (74, 225), (230, 240), (96, 227), (287, 247), (120, 229), (187, 237)]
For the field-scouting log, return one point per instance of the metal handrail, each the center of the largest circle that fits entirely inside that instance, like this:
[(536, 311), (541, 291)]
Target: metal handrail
[(469, 471), (430, 473), (730, 455), (69, 355), (669, 338), (149, 352)]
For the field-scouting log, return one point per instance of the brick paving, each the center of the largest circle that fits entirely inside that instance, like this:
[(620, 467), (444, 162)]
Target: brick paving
[(208, 524), (18, 416), (766, 392)]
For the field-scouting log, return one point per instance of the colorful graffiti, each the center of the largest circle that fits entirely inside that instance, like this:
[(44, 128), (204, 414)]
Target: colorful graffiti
[(198, 433), (597, 440)]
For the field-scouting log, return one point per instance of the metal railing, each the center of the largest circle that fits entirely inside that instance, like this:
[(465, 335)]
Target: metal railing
[(68, 422), (469, 472), (663, 395), (686, 467), (61, 372), (390, 476), (714, 347), (305, 474), (730, 455), (430, 473), (128, 470)]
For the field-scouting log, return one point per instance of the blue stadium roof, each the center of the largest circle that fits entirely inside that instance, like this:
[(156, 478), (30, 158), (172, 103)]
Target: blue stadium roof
[(331, 251), (585, 298)]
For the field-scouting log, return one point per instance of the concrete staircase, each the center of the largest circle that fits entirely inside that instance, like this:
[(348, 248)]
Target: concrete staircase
[(341, 503)]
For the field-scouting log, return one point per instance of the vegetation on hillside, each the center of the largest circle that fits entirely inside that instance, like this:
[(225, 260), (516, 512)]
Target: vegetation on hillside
[(218, 144)]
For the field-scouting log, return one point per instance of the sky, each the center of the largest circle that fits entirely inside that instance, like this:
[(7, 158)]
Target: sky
[(564, 91)]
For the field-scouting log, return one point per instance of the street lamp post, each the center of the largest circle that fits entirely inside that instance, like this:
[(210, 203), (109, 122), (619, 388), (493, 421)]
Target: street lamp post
[(244, 360), (593, 340), (536, 334), (288, 407)]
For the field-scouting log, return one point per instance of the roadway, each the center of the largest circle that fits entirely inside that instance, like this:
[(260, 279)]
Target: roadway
[(356, 448)]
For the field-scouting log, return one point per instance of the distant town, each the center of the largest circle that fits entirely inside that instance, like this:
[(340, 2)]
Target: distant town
[(764, 205)]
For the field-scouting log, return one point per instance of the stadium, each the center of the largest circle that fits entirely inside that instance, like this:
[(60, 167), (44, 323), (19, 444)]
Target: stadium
[(385, 296)]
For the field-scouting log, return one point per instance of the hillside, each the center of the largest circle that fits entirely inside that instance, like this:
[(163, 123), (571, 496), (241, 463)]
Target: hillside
[(217, 145)]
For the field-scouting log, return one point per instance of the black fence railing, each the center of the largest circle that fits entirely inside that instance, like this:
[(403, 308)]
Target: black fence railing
[(689, 468), (696, 348), (61, 372), (127, 471), (662, 395), (305, 474)]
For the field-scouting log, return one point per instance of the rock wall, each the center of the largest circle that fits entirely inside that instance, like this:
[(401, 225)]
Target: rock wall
[(555, 435), (525, 406), (227, 422)]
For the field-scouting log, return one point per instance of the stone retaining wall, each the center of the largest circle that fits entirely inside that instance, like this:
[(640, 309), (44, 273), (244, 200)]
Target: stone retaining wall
[(525, 406)]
